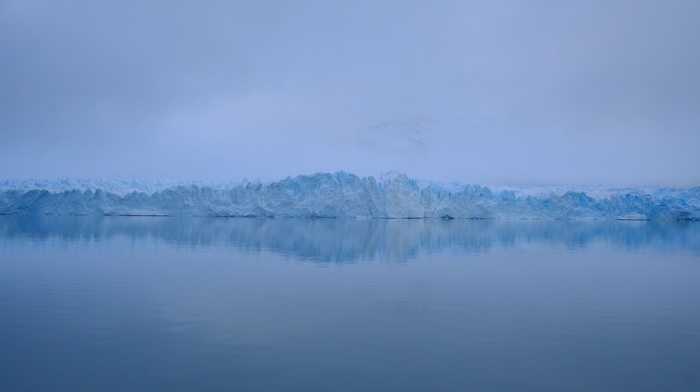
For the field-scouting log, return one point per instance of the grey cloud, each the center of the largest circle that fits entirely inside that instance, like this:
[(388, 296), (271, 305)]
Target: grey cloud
[(521, 92)]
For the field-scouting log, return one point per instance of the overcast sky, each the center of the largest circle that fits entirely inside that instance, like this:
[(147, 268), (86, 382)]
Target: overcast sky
[(493, 92)]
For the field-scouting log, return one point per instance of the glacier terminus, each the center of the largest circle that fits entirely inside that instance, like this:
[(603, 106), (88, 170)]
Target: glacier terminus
[(344, 195)]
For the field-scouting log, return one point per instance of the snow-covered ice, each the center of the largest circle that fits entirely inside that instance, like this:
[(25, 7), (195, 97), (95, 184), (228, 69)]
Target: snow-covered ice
[(343, 195)]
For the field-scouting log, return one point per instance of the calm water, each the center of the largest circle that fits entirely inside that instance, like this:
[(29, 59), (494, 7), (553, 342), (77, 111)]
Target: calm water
[(166, 304)]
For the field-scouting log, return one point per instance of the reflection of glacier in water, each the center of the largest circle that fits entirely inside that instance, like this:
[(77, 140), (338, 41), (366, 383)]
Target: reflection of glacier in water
[(343, 195), (351, 239)]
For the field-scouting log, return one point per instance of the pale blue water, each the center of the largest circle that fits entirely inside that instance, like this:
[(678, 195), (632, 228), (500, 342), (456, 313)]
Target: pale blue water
[(216, 304)]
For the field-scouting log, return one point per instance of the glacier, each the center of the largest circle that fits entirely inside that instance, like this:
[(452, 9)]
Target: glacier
[(345, 195)]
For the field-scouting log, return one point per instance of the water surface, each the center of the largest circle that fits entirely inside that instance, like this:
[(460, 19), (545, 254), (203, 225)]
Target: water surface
[(147, 304)]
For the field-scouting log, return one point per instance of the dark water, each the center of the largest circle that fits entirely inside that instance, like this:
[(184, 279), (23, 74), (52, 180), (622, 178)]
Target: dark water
[(151, 304)]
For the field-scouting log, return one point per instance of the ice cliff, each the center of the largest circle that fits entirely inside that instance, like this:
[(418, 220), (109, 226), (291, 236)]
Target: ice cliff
[(343, 195)]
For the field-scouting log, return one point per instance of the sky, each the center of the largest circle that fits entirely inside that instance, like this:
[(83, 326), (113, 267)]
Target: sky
[(490, 92)]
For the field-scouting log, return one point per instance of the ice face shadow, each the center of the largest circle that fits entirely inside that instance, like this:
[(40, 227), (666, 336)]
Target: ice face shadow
[(346, 240)]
